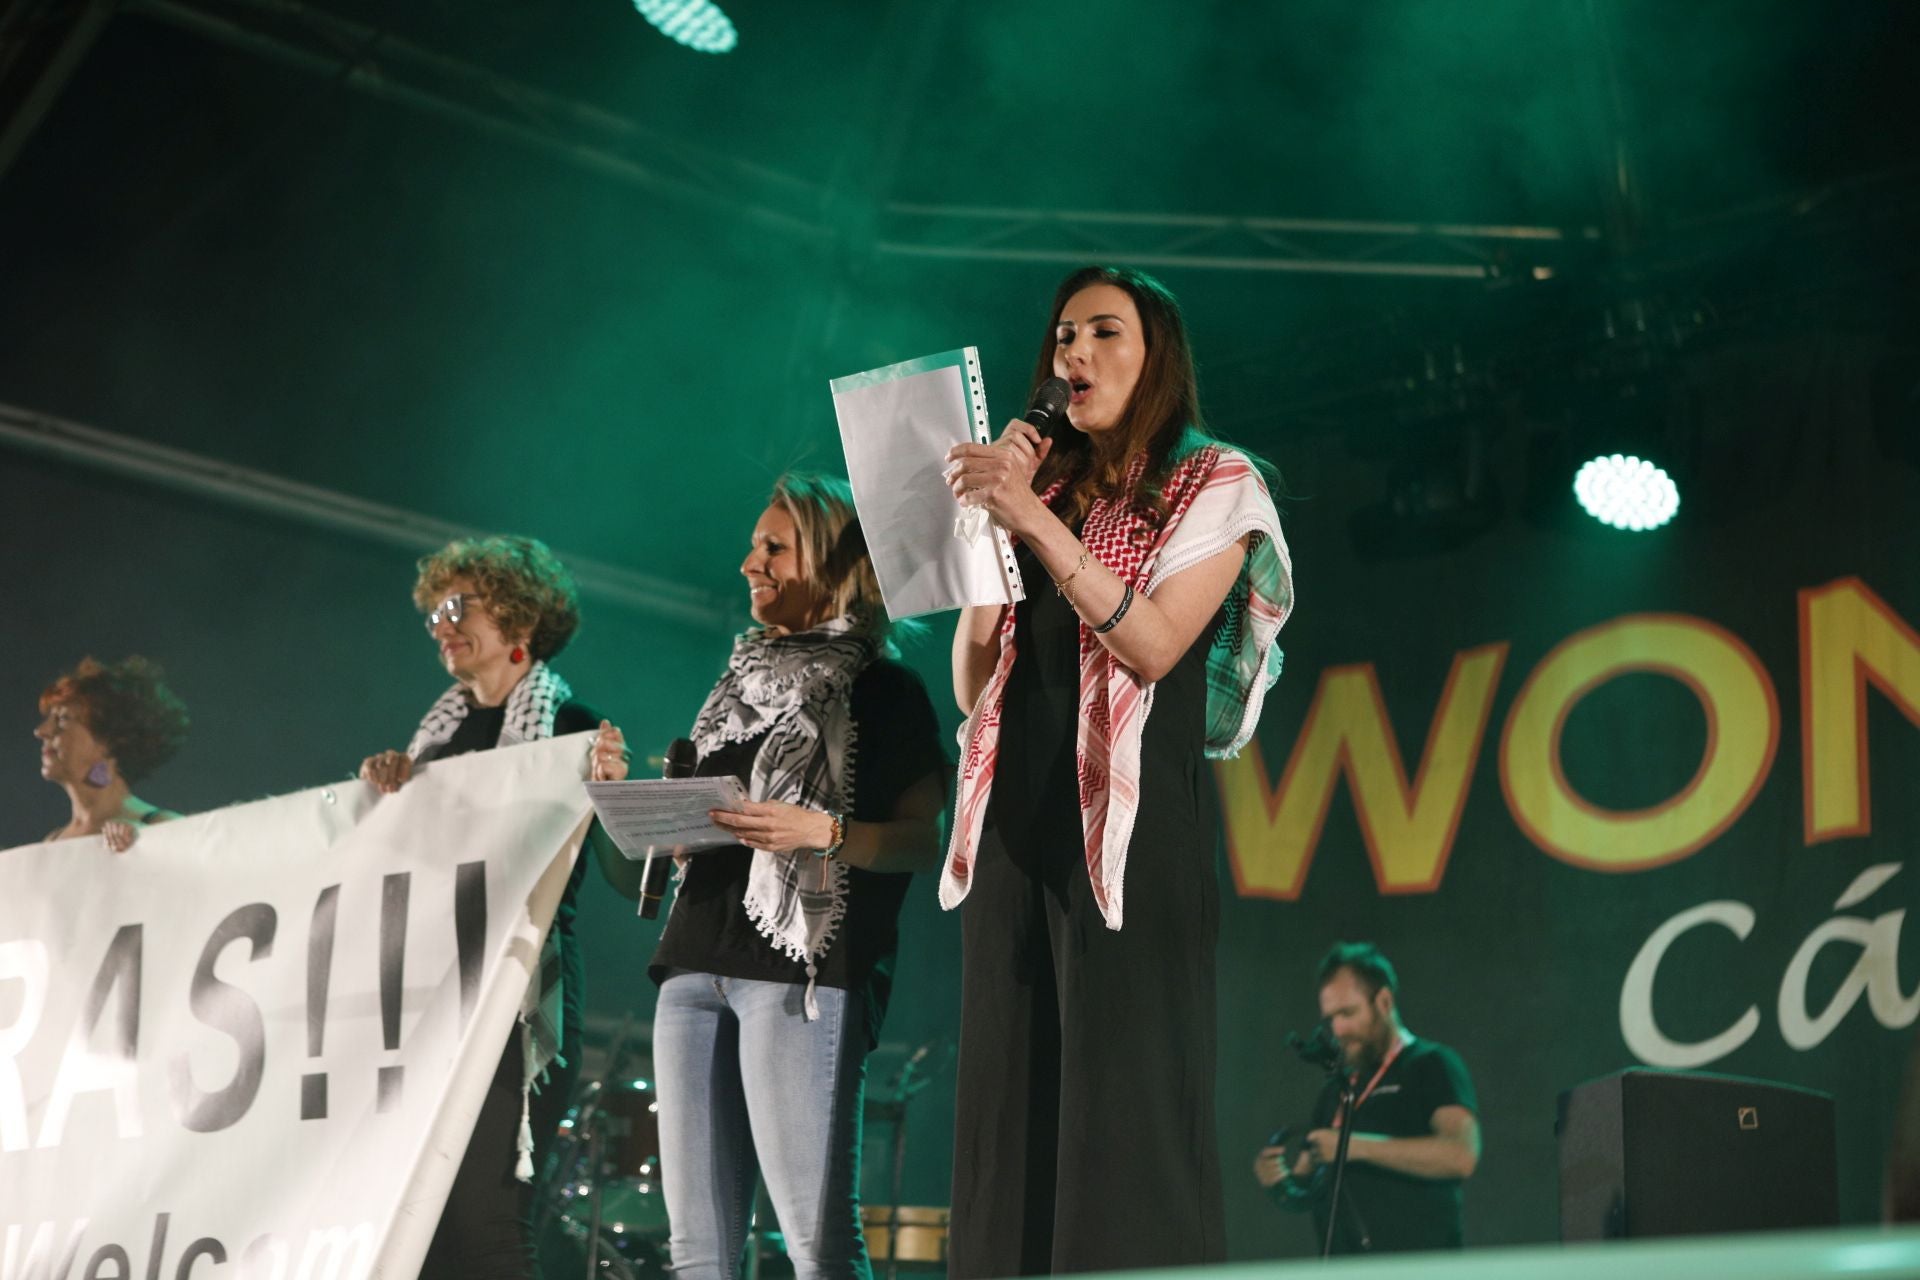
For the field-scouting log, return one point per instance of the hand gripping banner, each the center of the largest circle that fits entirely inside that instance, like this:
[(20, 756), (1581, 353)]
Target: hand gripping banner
[(254, 1045)]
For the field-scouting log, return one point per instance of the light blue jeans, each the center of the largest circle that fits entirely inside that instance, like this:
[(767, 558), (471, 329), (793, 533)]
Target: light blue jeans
[(745, 1081)]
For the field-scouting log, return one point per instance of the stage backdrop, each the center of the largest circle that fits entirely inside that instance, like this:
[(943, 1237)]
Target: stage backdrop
[(1513, 948), (1606, 799), (255, 1043)]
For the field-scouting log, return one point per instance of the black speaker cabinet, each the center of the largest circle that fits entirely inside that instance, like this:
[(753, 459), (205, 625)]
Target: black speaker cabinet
[(1669, 1153)]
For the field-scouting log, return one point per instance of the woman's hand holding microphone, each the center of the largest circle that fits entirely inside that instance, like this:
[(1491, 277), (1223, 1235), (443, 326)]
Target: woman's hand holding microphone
[(998, 478)]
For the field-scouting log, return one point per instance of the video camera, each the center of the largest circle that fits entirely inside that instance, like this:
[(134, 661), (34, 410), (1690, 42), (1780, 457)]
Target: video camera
[(1319, 1049)]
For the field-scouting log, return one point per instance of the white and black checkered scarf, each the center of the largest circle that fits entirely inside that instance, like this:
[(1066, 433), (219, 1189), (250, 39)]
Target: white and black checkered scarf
[(531, 708), (795, 693), (530, 711)]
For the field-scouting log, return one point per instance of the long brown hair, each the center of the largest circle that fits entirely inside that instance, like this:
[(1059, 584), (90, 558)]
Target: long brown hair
[(1161, 418)]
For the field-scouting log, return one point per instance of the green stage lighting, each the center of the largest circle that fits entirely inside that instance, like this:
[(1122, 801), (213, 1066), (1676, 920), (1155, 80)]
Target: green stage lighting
[(698, 24), (1626, 492)]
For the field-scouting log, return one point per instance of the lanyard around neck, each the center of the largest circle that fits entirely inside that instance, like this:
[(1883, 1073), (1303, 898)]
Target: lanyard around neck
[(1399, 1043)]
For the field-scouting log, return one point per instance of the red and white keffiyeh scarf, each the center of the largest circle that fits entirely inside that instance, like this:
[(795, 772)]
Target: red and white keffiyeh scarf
[(1214, 497)]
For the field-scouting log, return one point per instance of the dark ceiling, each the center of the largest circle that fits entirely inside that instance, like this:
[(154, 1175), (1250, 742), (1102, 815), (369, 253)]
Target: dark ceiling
[(536, 267)]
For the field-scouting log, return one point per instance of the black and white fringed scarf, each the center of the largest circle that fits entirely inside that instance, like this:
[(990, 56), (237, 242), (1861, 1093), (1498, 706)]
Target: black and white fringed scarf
[(531, 708), (797, 690), (530, 711)]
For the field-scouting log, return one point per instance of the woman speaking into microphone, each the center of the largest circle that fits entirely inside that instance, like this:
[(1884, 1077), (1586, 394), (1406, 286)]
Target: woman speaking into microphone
[(777, 957), (1157, 581)]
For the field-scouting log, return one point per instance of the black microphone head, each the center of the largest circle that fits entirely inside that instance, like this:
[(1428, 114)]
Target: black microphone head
[(682, 759), (1049, 402)]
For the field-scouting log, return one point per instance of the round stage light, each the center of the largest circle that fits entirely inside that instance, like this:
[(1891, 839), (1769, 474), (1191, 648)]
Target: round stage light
[(1626, 492), (700, 25)]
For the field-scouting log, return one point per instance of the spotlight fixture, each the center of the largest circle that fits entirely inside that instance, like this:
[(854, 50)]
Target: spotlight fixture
[(1622, 451), (1626, 492), (700, 25)]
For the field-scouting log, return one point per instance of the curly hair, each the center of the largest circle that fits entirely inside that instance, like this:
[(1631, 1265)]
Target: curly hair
[(128, 707), (526, 588)]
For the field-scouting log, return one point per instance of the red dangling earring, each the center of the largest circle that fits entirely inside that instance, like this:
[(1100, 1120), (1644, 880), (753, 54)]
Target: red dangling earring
[(517, 656)]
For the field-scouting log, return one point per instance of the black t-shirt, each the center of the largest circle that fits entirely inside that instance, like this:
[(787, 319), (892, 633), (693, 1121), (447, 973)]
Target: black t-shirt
[(480, 731), (1397, 1210), (896, 744)]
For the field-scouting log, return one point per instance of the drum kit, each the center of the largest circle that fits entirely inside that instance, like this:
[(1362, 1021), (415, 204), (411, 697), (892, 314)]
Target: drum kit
[(599, 1212)]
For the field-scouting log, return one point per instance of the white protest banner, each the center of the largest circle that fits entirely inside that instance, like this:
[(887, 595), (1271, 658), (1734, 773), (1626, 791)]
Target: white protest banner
[(253, 1046)]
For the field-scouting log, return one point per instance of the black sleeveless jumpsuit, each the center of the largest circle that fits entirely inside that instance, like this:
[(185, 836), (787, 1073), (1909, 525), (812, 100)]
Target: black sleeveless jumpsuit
[(1084, 1113)]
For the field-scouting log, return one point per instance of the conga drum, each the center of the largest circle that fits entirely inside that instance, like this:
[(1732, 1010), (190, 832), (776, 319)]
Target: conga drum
[(910, 1236)]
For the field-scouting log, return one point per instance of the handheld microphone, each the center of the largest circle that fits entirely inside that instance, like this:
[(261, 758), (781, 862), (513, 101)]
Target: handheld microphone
[(681, 761), (1049, 408), (1047, 411)]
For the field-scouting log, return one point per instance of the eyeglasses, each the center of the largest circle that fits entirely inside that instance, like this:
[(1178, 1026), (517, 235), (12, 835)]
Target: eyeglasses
[(452, 609)]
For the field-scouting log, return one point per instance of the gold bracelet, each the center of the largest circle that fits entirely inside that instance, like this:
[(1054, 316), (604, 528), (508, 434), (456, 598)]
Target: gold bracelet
[(1060, 586)]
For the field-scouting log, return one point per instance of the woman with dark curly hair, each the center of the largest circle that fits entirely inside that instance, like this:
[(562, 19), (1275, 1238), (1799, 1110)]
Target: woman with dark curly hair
[(103, 728), (498, 610)]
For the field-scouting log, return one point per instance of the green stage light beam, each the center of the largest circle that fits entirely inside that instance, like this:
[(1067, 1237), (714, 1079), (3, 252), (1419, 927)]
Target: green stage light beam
[(700, 25), (1626, 492)]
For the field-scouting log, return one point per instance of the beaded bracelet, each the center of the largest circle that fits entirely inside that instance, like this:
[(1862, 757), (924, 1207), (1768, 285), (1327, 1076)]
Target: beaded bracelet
[(839, 837), (1126, 602)]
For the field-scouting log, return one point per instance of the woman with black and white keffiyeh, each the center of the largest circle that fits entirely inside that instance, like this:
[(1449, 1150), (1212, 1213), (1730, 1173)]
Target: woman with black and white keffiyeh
[(777, 958), (498, 610)]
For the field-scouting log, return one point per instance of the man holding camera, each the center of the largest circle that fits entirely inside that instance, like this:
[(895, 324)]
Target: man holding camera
[(1415, 1132)]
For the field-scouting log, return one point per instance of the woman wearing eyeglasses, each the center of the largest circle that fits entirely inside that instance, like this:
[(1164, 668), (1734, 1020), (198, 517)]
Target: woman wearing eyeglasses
[(499, 609)]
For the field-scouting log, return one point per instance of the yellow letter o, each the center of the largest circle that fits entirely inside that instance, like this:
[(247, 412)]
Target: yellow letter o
[(1743, 731)]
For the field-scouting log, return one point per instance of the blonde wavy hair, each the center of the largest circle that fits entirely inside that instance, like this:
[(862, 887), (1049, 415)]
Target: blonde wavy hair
[(833, 550)]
